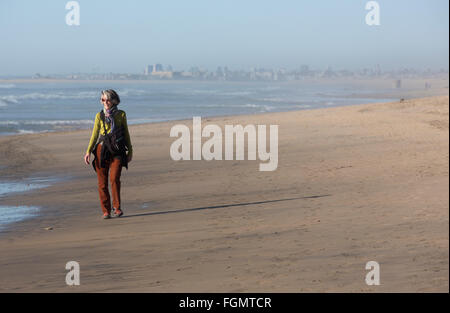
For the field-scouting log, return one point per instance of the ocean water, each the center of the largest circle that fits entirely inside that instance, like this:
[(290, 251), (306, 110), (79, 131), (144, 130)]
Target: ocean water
[(11, 187), (56, 106), (11, 214)]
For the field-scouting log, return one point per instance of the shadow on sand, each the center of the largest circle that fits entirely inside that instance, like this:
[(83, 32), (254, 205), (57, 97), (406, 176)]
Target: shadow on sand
[(223, 206)]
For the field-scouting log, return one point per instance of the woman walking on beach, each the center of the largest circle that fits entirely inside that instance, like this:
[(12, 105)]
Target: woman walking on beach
[(112, 151)]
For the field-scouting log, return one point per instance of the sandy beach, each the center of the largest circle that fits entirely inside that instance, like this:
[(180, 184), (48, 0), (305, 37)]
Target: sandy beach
[(354, 184)]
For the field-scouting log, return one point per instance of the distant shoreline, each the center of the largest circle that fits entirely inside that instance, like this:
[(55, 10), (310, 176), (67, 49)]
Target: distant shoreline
[(318, 80)]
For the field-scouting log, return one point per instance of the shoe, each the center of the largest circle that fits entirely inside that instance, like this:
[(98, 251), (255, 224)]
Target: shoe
[(106, 216), (118, 212)]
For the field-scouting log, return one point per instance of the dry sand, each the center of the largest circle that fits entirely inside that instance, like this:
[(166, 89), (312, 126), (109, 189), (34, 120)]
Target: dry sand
[(353, 184)]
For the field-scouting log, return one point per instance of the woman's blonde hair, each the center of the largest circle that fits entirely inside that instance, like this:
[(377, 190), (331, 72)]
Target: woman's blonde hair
[(112, 96)]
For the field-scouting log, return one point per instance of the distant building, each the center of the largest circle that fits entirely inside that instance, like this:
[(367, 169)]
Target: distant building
[(148, 70), (158, 68), (378, 70), (177, 75), (219, 72), (328, 73), (304, 70)]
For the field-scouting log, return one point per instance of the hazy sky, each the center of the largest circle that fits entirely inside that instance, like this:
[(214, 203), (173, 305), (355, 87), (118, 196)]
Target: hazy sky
[(124, 36)]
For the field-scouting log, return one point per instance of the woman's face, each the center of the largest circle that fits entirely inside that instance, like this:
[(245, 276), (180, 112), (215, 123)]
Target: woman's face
[(106, 102)]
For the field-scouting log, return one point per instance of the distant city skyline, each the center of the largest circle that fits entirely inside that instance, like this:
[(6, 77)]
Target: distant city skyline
[(160, 72), (124, 37)]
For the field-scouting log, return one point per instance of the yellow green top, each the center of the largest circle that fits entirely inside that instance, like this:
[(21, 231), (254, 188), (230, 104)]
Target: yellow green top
[(120, 118)]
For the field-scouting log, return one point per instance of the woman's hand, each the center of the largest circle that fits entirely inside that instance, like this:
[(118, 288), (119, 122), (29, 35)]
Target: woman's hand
[(87, 158), (129, 157)]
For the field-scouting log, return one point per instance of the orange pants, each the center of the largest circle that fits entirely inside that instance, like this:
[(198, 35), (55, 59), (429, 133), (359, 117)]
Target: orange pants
[(114, 167)]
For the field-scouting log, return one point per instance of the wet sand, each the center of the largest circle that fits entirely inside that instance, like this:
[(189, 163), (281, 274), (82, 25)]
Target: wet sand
[(354, 184)]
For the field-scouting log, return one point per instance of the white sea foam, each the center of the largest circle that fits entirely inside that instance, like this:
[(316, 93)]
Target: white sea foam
[(8, 123), (9, 99), (24, 131), (302, 106), (132, 92), (281, 100), (261, 107), (246, 105), (48, 96), (252, 105), (59, 122), (212, 92), (51, 122)]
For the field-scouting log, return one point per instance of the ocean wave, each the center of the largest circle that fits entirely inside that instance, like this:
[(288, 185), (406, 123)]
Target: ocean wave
[(49, 96), (235, 93), (7, 86), (302, 106), (48, 122), (24, 131), (59, 122), (6, 123), (67, 95), (246, 105), (145, 120), (193, 92), (279, 107), (281, 100), (212, 92), (124, 93), (132, 92), (252, 105), (8, 99), (262, 107)]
